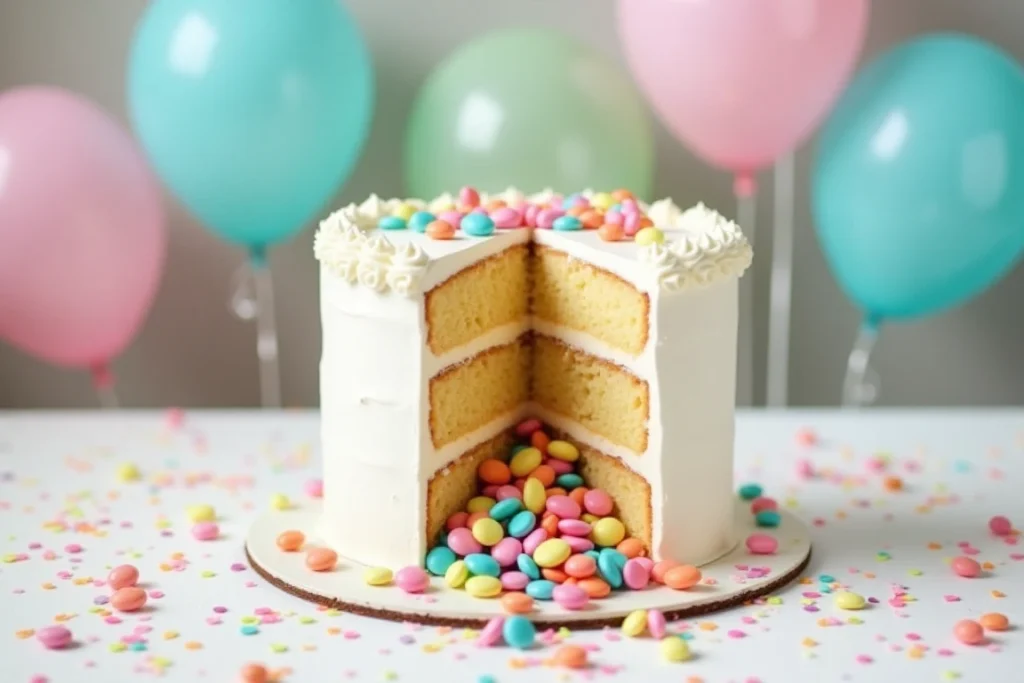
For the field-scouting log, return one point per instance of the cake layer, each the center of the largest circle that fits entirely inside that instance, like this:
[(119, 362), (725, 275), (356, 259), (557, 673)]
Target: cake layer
[(570, 292), (630, 491), (451, 487), (487, 294), (467, 396), (603, 397)]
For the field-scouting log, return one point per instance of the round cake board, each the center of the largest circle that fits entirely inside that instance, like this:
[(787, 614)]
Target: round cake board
[(733, 579)]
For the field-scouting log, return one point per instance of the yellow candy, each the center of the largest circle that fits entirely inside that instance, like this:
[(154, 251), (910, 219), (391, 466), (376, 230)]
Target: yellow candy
[(201, 513), (674, 649), (456, 574), (483, 586), (480, 504), (635, 623), (648, 236), (534, 496), (377, 576), (525, 461), (404, 211), (488, 531), (607, 532), (563, 450), (551, 553), (601, 200), (589, 518), (279, 501), (847, 600), (128, 472)]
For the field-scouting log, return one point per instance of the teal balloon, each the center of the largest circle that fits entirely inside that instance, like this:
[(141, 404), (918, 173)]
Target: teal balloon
[(253, 113), (530, 108), (918, 184)]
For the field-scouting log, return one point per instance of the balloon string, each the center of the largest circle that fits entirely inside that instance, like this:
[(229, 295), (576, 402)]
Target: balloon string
[(781, 298), (746, 212), (861, 384), (103, 383), (252, 298)]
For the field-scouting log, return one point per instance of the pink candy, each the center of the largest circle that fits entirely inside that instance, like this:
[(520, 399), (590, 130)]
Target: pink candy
[(508, 491), (547, 217), (469, 196), (570, 596), (574, 527), (578, 544), (613, 218), (205, 531), (597, 502), (965, 567), (763, 503), (506, 551), (54, 637), (451, 217), (506, 218), (631, 224), (559, 466), (462, 543), (645, 561), (530, 220), (491, 633), (1000, 526), (762, 544), (656, 623), (315, 488), (530, 543), (563, 506), (122, 576), (636, 574), (412, 579), (491, 491), (527, 427), (514, 581)]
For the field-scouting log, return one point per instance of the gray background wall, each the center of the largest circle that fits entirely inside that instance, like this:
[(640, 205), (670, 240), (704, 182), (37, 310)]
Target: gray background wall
[(192, 352)]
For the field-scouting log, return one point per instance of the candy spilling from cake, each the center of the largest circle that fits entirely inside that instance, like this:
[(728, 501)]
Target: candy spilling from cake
[(530, 392)]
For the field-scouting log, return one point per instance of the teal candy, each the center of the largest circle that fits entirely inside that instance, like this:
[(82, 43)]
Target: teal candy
[(594, 554), (750, 491), (918, 184), (391, 223), (521, 524), (504, 509), (518, 447), (614, 556), (253, 113), (420, 220), (541, 589), (569, 481), (609, 569), (767, 518), (482, 565), (439, 559), (518, 632), (527, 566), (567, 223), (477, 225)]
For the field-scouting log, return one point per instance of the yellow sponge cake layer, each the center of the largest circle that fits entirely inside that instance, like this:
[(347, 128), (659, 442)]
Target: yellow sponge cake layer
[(469, 395), (601, 396), (487, 294), (630, 492), (573, 293), (451, 487)]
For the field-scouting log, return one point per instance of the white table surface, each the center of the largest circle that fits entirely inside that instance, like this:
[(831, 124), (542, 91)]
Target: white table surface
[(58, 486)]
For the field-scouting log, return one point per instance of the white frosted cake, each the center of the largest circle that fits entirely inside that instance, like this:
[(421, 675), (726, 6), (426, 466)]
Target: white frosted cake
[(448, 322)]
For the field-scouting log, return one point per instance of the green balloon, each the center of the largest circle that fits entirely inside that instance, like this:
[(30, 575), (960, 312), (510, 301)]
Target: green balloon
[(532, 109)]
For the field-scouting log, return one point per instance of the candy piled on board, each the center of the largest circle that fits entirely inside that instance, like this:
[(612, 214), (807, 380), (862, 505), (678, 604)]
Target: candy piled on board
[(536, 532), (614, 215)]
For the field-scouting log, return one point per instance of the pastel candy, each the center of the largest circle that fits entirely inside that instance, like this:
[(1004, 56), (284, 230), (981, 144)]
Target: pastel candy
[(563, 506), (462, 542), (636, 575), (522, 524), (552, 553), (506, 551), (482, 565), (528, 566)]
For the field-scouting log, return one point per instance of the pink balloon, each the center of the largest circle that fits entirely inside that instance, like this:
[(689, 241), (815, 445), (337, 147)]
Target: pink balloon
[(82, 237), (742, 82)]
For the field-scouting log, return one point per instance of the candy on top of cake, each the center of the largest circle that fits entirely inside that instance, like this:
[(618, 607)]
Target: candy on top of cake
[(388, 244)]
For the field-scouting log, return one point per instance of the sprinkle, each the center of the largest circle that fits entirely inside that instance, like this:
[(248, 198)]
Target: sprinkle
[(278, 648)]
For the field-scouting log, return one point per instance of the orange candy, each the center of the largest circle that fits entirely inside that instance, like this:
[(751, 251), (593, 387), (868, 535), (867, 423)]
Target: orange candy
[(993, 621), (682, 577), (621, 195), (254, 673), (631, 547), (494, 472), (556, 575), (576, 211), (321, 559), (892, 484), (580, 566), (457, 520), (517, 603), (646, 222), (969, 632), (556, 491), (540, 441), (128, 599), (591, 219), (661, 568), (475, 517), (609, 232), (544, 474), (550, 525), (571, 657), (594, 587), (495, 204), (290, 541), (440, 230), (577, 494)]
